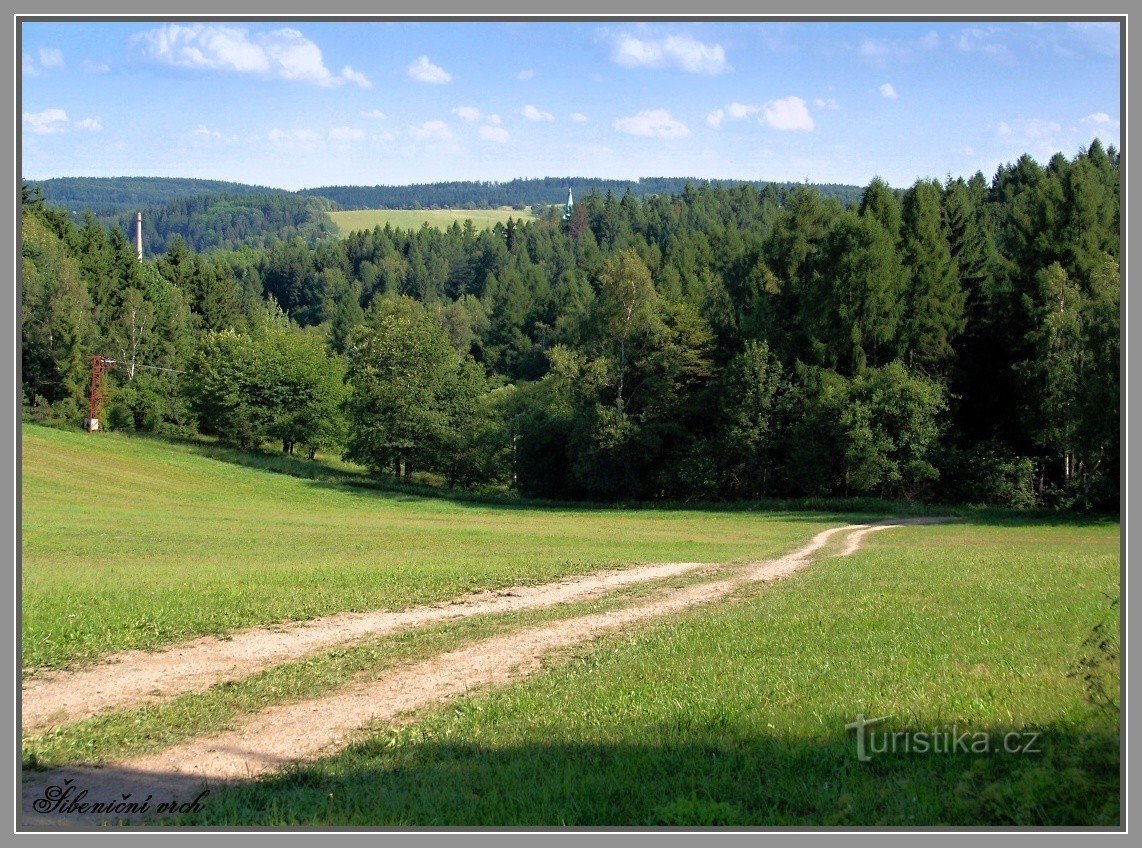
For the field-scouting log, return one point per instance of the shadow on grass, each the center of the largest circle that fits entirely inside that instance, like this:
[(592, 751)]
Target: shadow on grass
[(344, 477), (697, 776)]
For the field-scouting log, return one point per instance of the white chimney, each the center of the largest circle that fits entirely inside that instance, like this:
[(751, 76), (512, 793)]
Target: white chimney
[(139, 235)]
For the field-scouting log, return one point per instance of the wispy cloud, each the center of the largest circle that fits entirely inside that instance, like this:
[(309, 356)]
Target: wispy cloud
[(656, 123), (491, 132), (983, 41), (346, 134), (282, 54), (525, 74), (50, 57), (579, 118), (682, 52), (293, 140), (373, 114), (54, 120), (431, 131), (468, 113), (888, 92), (881, 51), (1100, 119), (826, 103), (96, 67), (422, 70), (533, 114)]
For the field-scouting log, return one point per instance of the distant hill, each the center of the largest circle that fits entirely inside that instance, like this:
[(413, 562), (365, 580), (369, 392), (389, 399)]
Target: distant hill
[(214, 213), (107, 196), (224, 220), (521, 192)]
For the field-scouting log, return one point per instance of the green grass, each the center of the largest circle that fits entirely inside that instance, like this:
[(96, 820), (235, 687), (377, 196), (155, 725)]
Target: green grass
[(735, 715), (366, 219), (129, 542), (132, 732)]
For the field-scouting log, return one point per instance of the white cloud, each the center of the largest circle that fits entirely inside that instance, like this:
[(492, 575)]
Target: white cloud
[(302, 139), (494, 119), (977, 40), (652, 122), (384, 136), (373, 114), (579, 118), (96, 67), (533, 114), (1099, 119), (55, 120), (283, 53), (422, 70), (47, 121), (1003, 128), (742, 110), (491, 132), (1037, 128), (525, 75), (826, 103), (881, 51), (50, 57), (675, 51), (789, 113), (346, 134), (203, 135), (28, 66), (347, 73), (468, 113), (888, 92), (431, 131)]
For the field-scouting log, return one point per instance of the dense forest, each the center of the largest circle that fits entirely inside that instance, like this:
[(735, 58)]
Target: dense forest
[(954, 341), (224, 220), (528, 192), (109, 196)]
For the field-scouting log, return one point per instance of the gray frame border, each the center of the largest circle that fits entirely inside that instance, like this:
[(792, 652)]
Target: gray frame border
[(664, 10)]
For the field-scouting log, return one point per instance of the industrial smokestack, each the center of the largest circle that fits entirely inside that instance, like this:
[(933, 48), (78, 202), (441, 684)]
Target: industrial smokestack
[(139, 235)]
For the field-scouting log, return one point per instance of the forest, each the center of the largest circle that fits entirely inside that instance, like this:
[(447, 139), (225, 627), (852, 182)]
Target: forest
[(954, 341), (527, 192)]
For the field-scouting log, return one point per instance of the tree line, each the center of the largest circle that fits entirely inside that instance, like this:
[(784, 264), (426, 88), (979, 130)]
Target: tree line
[(954, 341), (519, 193)]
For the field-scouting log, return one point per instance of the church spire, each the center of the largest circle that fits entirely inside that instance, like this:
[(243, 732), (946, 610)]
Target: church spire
[(567, 207)]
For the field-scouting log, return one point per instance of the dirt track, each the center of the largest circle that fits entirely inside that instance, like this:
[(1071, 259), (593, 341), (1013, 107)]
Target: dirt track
[(287, 733)]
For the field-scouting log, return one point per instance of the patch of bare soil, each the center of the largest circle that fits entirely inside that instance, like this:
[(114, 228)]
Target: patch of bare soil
[(281, 735)]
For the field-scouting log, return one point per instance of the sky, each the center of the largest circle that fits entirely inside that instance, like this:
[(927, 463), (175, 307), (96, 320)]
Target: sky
[(296, 104)]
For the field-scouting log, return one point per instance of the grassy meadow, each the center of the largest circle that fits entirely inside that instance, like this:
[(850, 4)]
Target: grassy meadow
[(727, 715), (366, 219), (130, 542), (736, 716)]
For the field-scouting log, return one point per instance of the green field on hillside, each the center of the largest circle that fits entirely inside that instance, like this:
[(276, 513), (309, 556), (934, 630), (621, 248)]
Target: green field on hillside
[(131, 542), (736, 715), (366, 219)]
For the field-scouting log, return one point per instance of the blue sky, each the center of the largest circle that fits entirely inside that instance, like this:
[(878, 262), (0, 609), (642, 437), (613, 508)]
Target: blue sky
[(297, 104)]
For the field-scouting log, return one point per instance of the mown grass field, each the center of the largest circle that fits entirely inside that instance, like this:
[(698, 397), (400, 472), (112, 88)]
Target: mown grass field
[(129, 542), (366, 219), (730, 715), (736, 716)]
